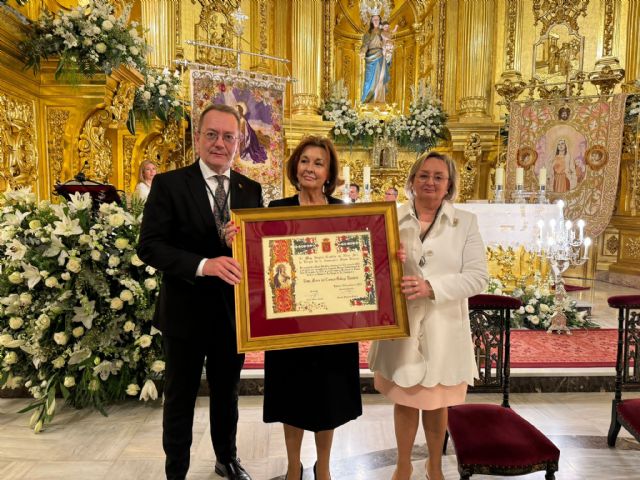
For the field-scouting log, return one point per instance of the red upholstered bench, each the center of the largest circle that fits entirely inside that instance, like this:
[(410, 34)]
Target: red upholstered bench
[(493, 439), (626, 413)]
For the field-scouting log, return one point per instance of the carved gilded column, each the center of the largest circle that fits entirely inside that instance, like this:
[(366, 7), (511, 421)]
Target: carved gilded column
[(56, 123), (306, 53), (632, 65), (511, 84), (157, 16), (259, 19), (327, 73), (476, 49)]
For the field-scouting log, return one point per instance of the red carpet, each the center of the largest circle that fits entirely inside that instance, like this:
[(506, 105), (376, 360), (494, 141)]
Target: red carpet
[(533, 349)]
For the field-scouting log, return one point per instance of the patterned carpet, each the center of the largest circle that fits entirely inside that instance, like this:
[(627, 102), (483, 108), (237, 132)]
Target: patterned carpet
[(533, 349)]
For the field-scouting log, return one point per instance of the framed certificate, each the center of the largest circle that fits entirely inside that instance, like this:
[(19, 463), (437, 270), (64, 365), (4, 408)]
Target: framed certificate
[(318, 275)]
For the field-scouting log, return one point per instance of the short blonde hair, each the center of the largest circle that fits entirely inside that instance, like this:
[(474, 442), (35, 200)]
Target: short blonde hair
[(141, 169), (452, 190)]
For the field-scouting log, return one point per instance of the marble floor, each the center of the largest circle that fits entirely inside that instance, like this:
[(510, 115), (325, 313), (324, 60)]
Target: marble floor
[(597, 296), (82, 445)]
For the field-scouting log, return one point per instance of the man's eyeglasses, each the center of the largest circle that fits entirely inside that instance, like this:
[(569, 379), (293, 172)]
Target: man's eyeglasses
[(437, 179), (212, 136)]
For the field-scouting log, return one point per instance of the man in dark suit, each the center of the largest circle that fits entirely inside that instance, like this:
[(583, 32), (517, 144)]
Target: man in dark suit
[(182, 235)]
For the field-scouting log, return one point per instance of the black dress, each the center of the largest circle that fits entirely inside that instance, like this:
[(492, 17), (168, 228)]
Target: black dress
[(312, 388)]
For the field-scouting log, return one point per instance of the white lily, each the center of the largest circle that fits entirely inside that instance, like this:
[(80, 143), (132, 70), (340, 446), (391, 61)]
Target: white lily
[(149, 391), (31, 274), (80, 201), (67, 226), (85, 313), (16, 250)]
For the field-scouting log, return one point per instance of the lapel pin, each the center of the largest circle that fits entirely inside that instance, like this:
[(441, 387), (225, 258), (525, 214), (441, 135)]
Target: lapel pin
[(239, 185)]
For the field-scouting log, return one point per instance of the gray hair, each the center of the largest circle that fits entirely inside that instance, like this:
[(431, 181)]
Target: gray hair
[(452, 191)]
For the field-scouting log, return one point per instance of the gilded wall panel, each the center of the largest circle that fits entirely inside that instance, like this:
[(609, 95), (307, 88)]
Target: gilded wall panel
[(18, 140), (94, 147)]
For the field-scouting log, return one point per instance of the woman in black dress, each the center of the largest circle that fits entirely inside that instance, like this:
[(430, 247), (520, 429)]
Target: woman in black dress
[(313, 388)]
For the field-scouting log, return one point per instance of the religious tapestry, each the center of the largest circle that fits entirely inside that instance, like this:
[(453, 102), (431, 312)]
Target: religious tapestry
[(260, 104), (578, 143)]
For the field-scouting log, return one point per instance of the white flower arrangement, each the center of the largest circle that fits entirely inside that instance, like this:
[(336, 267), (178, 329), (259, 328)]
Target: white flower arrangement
[(420, 130), (424, 125), (59, 330), (159, 97), (88, 38), (538, 306), (337, 108)]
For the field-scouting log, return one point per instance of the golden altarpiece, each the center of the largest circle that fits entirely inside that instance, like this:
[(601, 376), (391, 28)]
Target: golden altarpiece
[(477, 56)]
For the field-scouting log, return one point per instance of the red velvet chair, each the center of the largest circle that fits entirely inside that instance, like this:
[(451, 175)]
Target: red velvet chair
[(492, 439), (626, 413)]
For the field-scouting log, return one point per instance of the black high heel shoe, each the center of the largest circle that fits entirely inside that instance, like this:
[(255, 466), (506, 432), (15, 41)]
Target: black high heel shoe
[(314, 471), (301, 472)]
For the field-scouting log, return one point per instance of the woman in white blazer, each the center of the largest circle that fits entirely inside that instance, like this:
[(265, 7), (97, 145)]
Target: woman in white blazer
[(444, 264)]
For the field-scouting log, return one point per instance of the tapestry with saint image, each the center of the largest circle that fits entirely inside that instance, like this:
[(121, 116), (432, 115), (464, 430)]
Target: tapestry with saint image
[(260, 104), (579, 143)]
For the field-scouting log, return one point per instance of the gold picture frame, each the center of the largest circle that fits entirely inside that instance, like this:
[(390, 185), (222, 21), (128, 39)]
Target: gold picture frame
[(259, 226)]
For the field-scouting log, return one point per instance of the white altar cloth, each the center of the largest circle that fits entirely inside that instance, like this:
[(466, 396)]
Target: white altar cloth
[(512, 224)]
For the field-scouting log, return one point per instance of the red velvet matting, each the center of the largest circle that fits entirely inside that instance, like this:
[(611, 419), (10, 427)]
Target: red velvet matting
[(574, 288), (533, 349)]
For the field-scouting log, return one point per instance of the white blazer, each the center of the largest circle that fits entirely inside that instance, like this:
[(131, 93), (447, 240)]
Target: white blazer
[(439, 349)]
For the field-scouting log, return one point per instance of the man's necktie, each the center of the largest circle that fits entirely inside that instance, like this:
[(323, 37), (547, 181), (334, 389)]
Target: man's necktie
[(220, 208)]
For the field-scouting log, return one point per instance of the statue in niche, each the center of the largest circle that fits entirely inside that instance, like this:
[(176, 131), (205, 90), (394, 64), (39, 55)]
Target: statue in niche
[(377, 52)]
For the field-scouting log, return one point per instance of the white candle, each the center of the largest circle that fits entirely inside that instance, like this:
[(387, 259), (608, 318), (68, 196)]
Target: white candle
[(540, 230), (587, 243), (580, 229), (499, 176), (519, 176), (346, 173), (366, 177), (552, 226), (542, 178)]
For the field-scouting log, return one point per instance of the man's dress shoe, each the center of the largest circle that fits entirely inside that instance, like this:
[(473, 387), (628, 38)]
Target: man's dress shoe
[(232, 470)]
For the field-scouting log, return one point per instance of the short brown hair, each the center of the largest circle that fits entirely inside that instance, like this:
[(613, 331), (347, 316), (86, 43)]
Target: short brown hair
[(219, 107), (327, 146), (452, 190)]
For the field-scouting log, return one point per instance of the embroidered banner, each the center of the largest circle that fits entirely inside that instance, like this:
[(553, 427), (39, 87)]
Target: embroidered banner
[(260, 104), (579, 143)]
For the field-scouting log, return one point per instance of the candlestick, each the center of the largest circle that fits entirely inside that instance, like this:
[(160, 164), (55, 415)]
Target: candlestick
[(366, 182), (542, 177), (519, 176), (346, 175)]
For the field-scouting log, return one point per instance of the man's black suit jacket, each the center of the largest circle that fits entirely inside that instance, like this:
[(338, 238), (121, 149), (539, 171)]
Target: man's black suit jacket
[(178, 231)]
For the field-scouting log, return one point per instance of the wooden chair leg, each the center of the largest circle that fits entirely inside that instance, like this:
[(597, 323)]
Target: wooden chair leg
[(614, 428)]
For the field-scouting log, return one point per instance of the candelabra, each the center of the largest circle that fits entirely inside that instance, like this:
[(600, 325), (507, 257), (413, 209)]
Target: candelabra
[(563, 247), (541, 196), (498, 194)]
